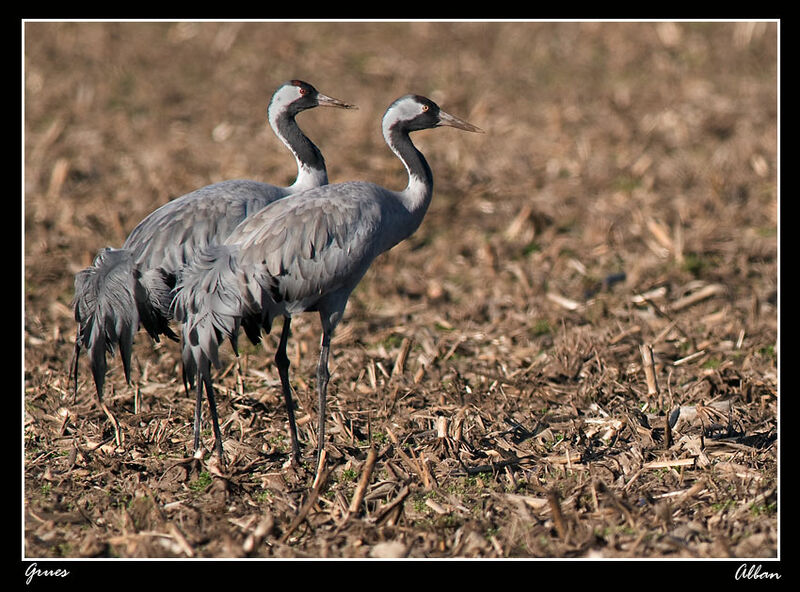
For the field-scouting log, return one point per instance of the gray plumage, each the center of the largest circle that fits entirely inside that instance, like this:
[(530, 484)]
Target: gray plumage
[(132, 286), (105, 309), (170, 237), (304, 254)]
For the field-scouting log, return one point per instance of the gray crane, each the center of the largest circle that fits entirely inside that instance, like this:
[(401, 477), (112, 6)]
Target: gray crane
[(304, 254), (126, 287)]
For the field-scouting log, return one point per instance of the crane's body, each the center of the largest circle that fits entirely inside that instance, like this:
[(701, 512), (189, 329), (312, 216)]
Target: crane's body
[(132, 286), (305, 254)]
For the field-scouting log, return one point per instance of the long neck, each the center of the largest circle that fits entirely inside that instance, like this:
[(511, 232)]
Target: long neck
[(417, 195), (311, 170)]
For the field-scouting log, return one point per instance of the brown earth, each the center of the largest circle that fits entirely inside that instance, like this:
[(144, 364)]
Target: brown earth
[(624, 196)]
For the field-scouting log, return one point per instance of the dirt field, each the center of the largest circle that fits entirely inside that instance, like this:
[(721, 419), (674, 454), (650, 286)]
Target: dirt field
[(624, 197)]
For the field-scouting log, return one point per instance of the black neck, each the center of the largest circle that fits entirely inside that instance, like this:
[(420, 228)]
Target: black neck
[(304, 149), (413, 159)]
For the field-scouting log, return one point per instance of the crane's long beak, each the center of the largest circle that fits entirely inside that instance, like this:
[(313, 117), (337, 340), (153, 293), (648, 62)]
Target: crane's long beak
[(326, 101), (453, 121)]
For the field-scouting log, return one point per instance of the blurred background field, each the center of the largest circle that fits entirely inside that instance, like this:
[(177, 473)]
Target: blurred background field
[(625, 193)]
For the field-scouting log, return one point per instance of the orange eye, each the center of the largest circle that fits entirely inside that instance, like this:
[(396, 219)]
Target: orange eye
[(424, 108), (302, 91)]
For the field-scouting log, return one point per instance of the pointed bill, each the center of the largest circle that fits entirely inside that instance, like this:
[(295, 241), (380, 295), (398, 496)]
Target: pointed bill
[(326, 101), (453, 121)]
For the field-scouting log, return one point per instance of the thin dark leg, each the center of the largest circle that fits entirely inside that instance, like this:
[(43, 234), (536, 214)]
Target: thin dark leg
[(188, 387), (282, 362), (73, 365), (205, 375), (198, 402), (322, 389)]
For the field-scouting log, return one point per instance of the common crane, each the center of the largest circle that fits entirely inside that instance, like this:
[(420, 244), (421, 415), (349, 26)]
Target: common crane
[(126, 287), (304, 254)]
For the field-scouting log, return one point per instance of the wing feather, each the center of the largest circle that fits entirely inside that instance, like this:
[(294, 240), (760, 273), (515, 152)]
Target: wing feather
[(315, 243), (173, 234)]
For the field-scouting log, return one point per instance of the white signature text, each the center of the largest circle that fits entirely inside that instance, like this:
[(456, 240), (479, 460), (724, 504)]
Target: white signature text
[(35, 571), (753, 572)]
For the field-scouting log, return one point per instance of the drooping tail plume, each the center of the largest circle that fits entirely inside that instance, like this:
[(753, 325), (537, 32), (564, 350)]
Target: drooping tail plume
[(209, 303), (106, 312)]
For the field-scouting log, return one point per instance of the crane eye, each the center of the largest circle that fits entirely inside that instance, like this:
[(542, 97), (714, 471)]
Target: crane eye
[(424, 108), (302, 90)]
